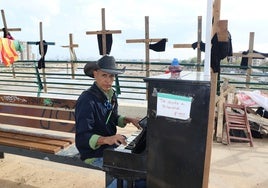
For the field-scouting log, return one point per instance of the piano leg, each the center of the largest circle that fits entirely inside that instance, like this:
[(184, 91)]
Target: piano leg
[(108, 179), (2, 156), (130, 184), (120, 183)]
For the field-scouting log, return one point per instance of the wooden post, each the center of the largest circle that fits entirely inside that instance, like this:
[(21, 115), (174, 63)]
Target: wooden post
[(213, 90), (147, 41), (73, 58), (42, 52), (103, 32), (199, 35), (7, 30)]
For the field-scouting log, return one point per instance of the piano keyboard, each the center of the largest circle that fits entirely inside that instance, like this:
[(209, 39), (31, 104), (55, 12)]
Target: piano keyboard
[(131, 140)]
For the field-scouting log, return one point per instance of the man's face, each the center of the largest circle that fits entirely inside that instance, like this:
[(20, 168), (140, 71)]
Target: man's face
[(104, 79)]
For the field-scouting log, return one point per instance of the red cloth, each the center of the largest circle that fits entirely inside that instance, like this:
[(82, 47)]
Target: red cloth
[(8, 51)]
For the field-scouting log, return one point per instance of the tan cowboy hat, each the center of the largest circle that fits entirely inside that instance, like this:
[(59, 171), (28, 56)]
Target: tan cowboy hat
[(105, 64)]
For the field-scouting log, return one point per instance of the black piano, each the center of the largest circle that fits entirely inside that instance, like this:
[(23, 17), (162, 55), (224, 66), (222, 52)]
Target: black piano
[(127, 162), (176, 135)]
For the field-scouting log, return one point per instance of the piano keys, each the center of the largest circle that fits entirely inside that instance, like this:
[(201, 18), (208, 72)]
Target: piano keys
[(131, 143), (128, 162)]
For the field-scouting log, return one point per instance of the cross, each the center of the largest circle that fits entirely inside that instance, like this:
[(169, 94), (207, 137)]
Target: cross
[(147, 41), (5, 23), (103, 32), (7, 30), (42, 55), (250, 57), (199, 35), (71, 46)]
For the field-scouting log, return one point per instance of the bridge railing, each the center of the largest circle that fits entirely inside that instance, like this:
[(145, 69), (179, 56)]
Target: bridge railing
[(64, 79)]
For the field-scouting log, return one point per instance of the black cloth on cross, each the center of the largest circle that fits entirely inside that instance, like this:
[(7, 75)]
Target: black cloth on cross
[(109, 42), (41, 61), (160, 46), (202, 46), (244, 60), (219, 51)]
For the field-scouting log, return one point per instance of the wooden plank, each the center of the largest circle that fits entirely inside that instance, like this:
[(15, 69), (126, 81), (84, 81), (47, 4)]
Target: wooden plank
[(50, 119), (28, 109), (29, 145), (219, 131), (258, 119), (182, 46), (34, 123), (43, 113), (39, 101), (36, 118), (37, 139)]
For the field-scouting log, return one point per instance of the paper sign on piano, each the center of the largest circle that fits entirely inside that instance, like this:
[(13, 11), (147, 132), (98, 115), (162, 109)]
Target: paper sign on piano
[(173, 106)]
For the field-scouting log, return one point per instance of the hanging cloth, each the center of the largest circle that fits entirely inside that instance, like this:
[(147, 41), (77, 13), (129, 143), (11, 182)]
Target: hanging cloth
[(202, 46), (39, 82), (8, 51), (160, 46), (219, 51), (244, 60), (109, 42), (41, 61)]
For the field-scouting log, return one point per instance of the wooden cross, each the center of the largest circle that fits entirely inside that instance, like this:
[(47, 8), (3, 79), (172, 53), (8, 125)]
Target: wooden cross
[(147, 41), (103, 32), (71, 46), (42, 52), (5, 23), (199, 36), (250, 57)]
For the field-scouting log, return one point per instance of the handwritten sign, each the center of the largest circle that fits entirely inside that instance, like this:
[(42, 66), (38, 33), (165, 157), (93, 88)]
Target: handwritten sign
[(173, 106)]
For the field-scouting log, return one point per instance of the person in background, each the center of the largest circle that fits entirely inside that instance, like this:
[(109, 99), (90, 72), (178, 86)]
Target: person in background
[(96, 113)]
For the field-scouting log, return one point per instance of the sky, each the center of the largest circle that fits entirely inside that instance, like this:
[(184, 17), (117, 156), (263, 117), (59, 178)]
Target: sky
[(175, 20)]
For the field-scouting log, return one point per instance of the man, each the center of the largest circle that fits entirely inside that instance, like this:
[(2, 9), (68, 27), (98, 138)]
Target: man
[(96, 113)]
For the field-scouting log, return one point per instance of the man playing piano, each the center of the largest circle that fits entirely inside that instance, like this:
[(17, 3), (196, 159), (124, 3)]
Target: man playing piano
[(96, 113)]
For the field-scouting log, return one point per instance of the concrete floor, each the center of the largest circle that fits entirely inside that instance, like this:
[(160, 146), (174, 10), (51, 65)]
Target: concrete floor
[(232, 166), (239, 166)]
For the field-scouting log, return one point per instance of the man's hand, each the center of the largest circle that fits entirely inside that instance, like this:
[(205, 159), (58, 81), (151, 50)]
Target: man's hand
[(111, 140), (134, 121)]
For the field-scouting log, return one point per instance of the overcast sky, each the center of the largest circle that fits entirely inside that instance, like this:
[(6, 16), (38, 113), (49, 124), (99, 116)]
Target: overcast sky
[(175, 20)]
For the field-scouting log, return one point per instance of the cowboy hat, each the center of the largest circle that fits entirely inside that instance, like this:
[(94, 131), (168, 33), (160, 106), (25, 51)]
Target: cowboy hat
[(105, 64)]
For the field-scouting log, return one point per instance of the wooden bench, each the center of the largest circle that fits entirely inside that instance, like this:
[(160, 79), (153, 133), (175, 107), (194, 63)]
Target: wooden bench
[(38, 127)]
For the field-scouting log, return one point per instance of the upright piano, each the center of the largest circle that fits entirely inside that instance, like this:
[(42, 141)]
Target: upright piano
[(176, 135)]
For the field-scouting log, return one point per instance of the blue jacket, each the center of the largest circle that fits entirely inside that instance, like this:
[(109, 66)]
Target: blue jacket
[(91, 114)]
